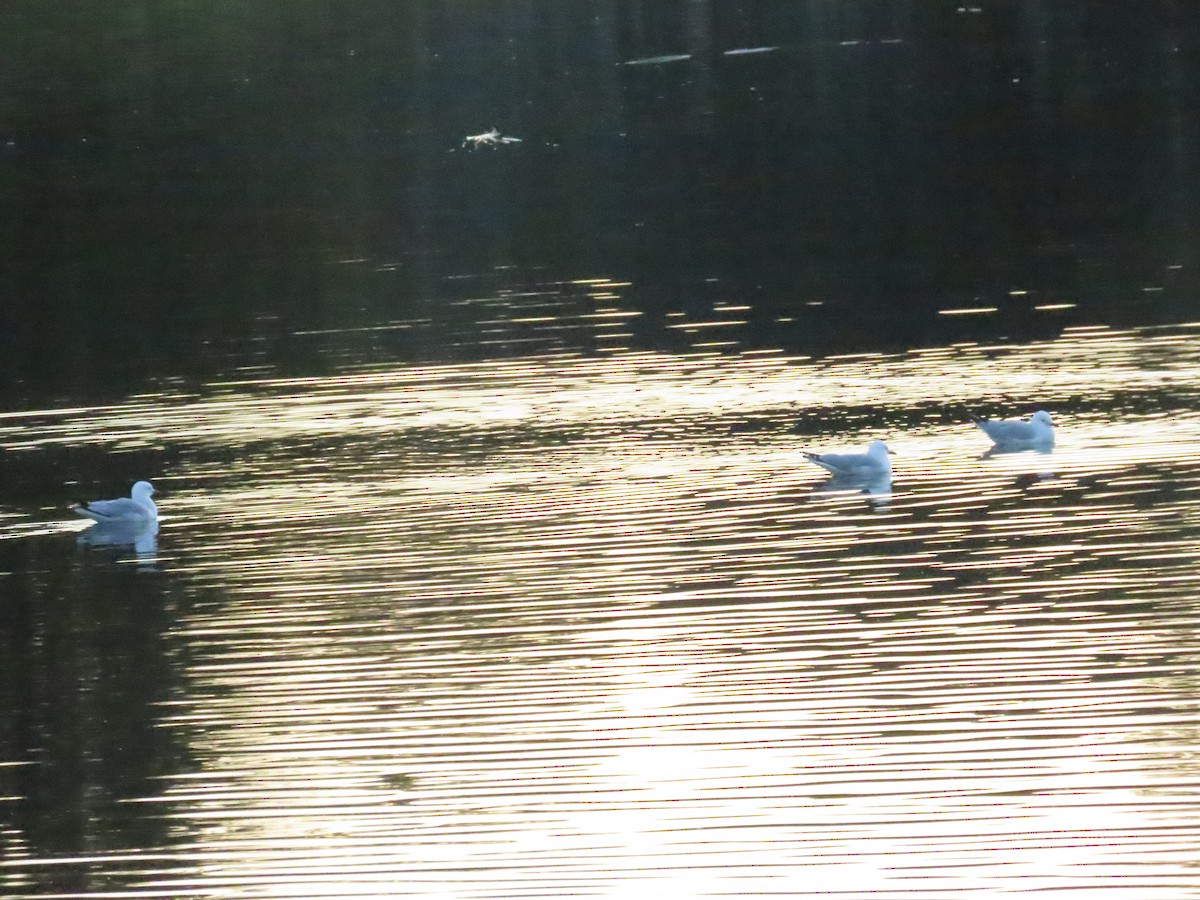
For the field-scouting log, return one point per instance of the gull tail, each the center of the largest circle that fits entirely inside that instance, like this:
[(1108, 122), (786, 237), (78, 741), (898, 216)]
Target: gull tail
[(978, 420), (816, 459), (80, 508)]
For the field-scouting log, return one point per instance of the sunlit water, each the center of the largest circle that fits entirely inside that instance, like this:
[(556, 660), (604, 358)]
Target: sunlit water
[(592, 627)]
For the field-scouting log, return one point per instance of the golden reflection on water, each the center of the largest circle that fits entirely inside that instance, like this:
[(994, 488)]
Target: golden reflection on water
[(586, 627)]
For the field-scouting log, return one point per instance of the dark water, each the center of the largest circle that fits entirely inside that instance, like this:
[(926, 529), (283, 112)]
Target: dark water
[(191, 189), (489, 564)]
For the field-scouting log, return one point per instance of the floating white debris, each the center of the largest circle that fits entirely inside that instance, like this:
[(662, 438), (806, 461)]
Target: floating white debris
[(658, 60), (870, 42), (491, 138), (746, 51)]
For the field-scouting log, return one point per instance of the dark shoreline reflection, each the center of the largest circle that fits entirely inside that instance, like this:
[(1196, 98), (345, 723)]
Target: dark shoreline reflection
[(233, 182), (86, 668)]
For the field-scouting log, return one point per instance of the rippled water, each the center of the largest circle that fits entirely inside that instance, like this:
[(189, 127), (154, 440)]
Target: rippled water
[(592, 627)]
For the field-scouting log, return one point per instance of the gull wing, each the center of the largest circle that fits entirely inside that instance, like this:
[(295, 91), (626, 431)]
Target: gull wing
[(1006, 431), (121, 509), (839, 463)]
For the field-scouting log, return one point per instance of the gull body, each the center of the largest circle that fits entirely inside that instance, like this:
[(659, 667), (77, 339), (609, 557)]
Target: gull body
[(1017, 433), (873, 465), (136, 509)]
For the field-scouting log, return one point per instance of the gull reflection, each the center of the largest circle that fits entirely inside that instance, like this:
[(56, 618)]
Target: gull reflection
[(878, 489), (1044, 473), (141, 538), (1032, 479), (1009, 450)]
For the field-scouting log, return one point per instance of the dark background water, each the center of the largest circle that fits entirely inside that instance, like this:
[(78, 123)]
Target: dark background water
[(192, 187)]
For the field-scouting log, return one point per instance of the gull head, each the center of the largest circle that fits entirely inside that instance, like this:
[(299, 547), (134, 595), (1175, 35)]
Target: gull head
[(880, 455), (1041, 417), (878, 450), (142, 491)]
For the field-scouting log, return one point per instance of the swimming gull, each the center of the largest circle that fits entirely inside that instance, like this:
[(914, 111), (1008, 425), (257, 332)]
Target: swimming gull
[(135, 509), (872, 465), (1017, 433)]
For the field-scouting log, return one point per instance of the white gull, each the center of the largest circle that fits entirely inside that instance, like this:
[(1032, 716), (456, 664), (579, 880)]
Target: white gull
[(873, 465), (1017, 433), (136, 509)]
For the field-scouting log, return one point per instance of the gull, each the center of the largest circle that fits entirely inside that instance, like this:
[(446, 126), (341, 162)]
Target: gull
[(1017, 433), (873, 465), (136, 509)]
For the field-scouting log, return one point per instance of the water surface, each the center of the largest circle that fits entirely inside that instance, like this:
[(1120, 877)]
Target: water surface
[(489, 565), (560, 626)]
